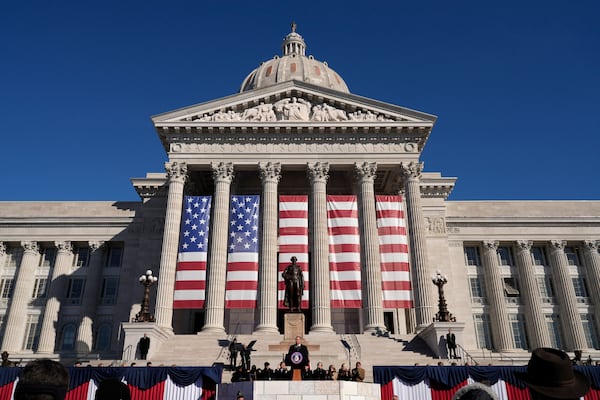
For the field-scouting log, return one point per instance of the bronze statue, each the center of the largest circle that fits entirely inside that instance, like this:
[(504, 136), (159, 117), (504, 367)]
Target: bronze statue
[(294, 285)]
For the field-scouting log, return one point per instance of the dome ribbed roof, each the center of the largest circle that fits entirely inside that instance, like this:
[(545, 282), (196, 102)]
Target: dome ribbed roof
[(294, 65)]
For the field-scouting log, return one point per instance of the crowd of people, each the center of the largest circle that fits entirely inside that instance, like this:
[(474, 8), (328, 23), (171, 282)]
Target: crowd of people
[(283, 373)]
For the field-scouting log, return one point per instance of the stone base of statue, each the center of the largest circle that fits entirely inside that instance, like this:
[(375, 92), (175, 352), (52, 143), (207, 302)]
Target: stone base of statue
[(294, 325), (300, 390), (435, 336)]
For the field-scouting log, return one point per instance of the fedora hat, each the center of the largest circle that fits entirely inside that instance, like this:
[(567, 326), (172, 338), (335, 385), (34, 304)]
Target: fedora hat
[(550, 373)]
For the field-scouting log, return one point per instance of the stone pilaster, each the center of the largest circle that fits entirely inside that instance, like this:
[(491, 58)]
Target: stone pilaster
[(89, 302), (270, 173), (56, 290), (23, 289), (570, 319), (371, 268), (320, 289), (538, 329), (494, 285), (217, 263), (421, 276), (163, 313), (592, 266)]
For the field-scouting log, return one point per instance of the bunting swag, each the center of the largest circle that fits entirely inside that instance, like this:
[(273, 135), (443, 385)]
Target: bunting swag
[(242, 252), (344, 252), (190, 276), (293, 241), (154, 383), (441, 382), (393, 250)]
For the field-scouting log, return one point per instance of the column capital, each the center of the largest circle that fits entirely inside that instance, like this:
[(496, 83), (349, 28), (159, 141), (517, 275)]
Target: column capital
[(557, 245), (222, 172), (365, 171), (590, 245), (411, 171), (524, 245), (176, 170), (491, 245), (318, 171), (64, 247), (270, 171), (95, 244), (32, 247)]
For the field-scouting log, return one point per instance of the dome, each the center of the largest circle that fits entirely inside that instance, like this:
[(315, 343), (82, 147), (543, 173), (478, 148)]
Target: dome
[(294, 65)]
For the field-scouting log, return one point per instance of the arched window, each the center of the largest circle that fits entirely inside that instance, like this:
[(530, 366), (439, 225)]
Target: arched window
[(103, 337), (69, 333)]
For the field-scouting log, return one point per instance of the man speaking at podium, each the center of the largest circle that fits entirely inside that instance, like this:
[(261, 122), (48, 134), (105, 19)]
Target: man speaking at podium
[(297, 358)]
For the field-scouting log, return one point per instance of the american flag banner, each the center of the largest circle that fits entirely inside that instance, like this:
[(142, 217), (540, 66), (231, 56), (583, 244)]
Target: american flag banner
[(344, 252), (242, 252), (293, 241), (190, 275), (393, 248)]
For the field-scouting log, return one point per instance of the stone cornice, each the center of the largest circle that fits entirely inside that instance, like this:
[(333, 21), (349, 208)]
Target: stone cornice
[(151, 186)]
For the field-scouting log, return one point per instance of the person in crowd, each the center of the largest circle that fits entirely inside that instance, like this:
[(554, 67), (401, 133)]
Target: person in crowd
[(550, 375), (5, 361), (267, 373), (112, 389), (451, 343), (144, 346), (282, 373), (344, 373), (475, 391), (42, 380), (233, 353), (240, 395), (358, 372), (307, 373), (253, 372), (331, 373), (319, 374), (240, 375)]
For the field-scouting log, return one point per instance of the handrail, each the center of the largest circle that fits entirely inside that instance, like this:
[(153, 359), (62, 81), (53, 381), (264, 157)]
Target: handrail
[(127, 352)]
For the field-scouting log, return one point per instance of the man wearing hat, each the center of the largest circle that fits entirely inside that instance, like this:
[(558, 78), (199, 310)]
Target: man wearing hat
[(550, 375)]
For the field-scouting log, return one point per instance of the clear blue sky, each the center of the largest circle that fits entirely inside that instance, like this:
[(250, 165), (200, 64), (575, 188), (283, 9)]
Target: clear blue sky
[(515, 85)]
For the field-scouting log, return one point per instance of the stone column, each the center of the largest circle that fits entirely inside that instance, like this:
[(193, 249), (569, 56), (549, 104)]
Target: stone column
[(592, 266), (89, 302), (270, 173), (371, 262), (421, 276), (217, 262), (530, 294), (56, 291), (23, 290), (319, 273), (565, 293), (163, 312), (494, 285)]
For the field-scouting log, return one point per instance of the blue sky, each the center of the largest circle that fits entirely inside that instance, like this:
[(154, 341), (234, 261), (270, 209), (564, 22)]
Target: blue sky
[(515, 85)]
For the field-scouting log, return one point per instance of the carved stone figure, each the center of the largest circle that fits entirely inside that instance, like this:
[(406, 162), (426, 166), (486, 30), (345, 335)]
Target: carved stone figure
[(294, 285), (293, 109)]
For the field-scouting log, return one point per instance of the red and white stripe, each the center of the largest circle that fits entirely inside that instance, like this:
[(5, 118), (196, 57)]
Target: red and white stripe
[(293, 241), (344, 252), (393, 248)]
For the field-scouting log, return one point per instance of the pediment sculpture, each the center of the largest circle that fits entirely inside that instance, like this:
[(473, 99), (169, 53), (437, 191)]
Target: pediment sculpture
[(292, 109)]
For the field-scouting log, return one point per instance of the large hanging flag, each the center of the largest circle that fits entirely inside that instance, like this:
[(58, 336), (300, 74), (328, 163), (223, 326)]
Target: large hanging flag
[(393, 249), (242, 252), (293, 241), (344, 252), (190, 276)]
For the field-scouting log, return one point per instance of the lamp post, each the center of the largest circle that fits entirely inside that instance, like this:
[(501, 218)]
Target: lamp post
[(144, 315), (443, 314)]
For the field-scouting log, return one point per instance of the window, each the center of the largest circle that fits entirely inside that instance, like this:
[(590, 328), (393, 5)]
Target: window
[(538, 254), (110, 287), (477, 291), (67, 340), (517, 324), (114, 257), (580, 286), (31, 332), (6, 288), (572, 255), (552, 321), (472, 256), (505, 255), (75, 290), (589, 329), (103, 337), (13, 256), (39, 288), (511, 288), (545, 288), (47, 256), (82, 257), (482, 331)]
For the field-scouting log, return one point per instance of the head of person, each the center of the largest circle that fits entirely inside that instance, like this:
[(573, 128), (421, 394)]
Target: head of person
[(298, 340), (475, 391), (550, 375), (320, 365), (240, 395), (112, 389), (358, 364), (42, 380), (267, 364), (5, 355)]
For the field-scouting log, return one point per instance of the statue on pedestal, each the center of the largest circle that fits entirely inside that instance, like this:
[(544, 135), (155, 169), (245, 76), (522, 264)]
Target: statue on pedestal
[(294, 285)]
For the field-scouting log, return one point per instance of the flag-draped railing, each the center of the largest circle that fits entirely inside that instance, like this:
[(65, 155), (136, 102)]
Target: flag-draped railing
[(441, 382), (145, 383)]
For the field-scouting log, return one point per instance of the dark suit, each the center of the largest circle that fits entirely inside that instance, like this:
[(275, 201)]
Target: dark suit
[(451, 343), (144, 347), (302, 349)]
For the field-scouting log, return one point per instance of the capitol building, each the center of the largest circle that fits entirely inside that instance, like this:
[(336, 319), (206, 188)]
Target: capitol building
[(295, 165)]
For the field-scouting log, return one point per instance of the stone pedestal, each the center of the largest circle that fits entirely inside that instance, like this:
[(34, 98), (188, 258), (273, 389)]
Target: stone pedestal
[(300, 390), (294, 324), (134, 331), (435, 337)]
